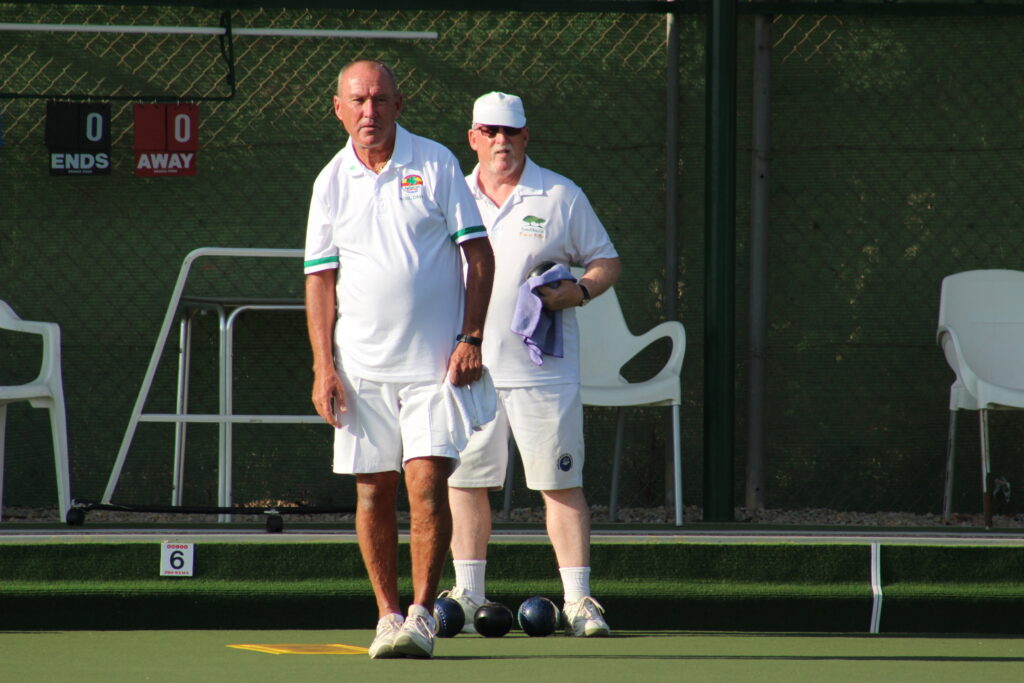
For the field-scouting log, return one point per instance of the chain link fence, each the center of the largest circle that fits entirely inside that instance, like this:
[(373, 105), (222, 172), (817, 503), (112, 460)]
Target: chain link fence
[(895, 160), (100, 255)]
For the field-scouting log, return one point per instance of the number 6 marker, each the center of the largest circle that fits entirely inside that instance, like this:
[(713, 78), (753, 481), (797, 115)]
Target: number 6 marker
[(176, 559)]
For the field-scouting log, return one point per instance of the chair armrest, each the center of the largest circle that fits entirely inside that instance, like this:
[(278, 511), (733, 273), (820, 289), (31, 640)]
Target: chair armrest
[(958, 354), (943, 330), (43, 329), (956, 360), (941, 335), (671, 329), (50, 333)]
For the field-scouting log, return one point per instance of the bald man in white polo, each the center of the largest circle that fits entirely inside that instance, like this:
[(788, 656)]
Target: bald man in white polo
[(389, 319)]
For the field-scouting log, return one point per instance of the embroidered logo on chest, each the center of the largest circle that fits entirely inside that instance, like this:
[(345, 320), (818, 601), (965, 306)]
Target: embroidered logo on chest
[(532, 226), (412, 187)]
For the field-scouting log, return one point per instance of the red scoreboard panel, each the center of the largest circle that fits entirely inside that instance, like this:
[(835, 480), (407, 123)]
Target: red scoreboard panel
[(166, 139)]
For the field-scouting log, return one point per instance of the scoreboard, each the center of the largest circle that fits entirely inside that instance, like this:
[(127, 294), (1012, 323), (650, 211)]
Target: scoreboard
[(78, 138)]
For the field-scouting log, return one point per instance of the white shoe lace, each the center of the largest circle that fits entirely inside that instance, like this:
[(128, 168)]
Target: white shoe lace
[(388, 628), (462, 595), (389, 625), (421, 625), (586, 608)]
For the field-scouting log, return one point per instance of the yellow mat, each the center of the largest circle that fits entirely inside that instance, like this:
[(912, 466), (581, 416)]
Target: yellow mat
[(305, 649)]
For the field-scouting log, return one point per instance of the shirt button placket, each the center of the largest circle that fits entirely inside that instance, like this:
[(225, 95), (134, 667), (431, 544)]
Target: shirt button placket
[(380, 192)]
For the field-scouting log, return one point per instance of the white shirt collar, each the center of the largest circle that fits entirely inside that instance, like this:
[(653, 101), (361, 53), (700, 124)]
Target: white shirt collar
[(531, 182), (401, 156)]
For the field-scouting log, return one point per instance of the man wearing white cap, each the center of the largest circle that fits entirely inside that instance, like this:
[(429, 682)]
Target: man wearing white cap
[(532, 216), (389, 319)]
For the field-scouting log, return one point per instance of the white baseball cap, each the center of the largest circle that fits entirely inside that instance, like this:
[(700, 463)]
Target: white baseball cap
[(499, 109)]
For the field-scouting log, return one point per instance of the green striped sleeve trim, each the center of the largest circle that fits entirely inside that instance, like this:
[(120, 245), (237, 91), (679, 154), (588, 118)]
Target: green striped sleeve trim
[(320, 261), (468, 231)]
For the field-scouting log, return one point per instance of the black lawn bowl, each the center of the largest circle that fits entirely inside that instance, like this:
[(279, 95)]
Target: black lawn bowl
[(493, 620)]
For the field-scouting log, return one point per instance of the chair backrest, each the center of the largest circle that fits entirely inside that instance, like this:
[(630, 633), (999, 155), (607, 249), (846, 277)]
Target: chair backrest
[(606, 343), (984, 309)]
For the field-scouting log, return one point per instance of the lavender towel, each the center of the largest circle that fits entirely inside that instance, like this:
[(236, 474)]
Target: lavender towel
[(540, 328)]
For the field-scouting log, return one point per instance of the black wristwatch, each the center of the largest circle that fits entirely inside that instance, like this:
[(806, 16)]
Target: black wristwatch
[(475, 341), (586, 294)]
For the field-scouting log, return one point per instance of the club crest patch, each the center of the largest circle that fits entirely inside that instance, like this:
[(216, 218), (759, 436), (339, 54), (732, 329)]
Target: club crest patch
[(533, 226), (412, 187), (565, 462)]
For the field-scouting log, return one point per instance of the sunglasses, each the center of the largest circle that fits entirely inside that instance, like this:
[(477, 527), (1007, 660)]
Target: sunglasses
[(491, 131)]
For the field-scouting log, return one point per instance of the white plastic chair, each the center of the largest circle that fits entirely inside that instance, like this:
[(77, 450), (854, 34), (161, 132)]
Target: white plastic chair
[(45, 391), (606, 345), (981, 333)]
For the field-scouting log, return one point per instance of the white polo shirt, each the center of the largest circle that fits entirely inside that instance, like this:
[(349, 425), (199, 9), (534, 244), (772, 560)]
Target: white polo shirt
[(395, 236), (547, 217)]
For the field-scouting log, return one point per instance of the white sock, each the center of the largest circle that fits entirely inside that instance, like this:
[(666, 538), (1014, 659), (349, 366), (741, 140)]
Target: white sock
[(575, 582), (469, 576)]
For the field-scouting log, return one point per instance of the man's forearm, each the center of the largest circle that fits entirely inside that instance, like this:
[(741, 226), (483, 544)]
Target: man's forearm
[(601, 274), (321, 313), (479, 280)]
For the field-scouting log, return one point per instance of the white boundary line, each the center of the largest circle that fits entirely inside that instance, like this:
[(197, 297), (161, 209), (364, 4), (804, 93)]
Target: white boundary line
[(876, 587), (220, 30)]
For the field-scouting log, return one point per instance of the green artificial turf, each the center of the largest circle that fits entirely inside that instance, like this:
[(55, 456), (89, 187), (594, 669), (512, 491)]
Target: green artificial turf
[(769, 587)]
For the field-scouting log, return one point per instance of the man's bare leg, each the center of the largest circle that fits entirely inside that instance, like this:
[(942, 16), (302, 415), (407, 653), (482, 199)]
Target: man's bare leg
[(430, 524), (568, 524), (377, 530), (471, 523)]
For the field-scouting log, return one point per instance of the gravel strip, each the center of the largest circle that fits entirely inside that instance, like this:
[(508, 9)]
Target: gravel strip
[(599, 514)]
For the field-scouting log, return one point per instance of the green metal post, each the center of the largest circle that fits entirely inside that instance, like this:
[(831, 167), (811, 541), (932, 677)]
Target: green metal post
[(671, 216), (720, 262)]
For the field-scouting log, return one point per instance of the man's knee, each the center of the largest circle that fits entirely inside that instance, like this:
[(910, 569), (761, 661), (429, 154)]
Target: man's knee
[(428, 472), (564, 496), (427, 483), (377, 491), (566, 502), (429, 500)]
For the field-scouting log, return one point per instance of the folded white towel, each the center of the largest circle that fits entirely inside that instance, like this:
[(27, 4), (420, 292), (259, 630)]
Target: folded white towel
[(469, 407)]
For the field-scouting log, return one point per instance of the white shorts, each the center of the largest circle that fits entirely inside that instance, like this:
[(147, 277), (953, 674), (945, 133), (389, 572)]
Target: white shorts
[(547, 422), (388, 423)]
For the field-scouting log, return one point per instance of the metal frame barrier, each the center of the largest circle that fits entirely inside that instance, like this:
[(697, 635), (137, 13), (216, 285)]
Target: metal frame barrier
[(228, 311)]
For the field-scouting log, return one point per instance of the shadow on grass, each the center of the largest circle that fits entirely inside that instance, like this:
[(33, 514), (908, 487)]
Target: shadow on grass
[(745, 658)]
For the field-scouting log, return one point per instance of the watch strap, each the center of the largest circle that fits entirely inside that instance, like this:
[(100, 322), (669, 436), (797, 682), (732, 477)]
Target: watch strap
[(586, 294)]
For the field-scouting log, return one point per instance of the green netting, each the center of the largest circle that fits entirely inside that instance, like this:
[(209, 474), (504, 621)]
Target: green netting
[(100, 255), (895, 160)]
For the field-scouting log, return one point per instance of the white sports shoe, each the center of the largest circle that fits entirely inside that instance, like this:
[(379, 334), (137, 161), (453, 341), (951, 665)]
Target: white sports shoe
[(469, 606), (416, 638), (583, 619), (383, 646)]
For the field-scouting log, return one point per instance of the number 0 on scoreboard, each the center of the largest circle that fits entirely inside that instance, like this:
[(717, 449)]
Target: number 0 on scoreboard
[(78, 138), (166, 139)]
